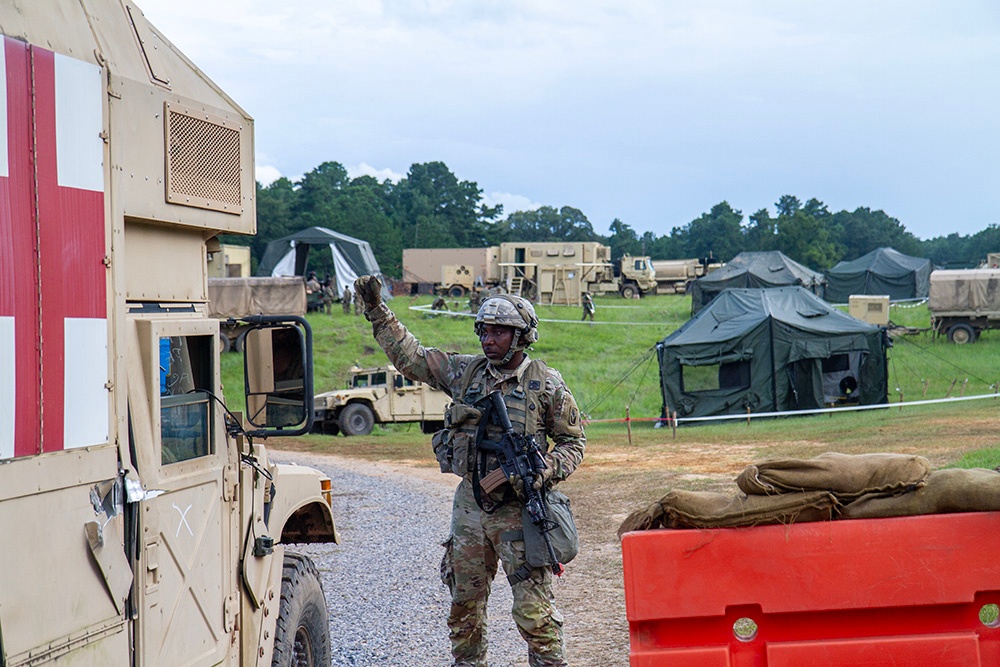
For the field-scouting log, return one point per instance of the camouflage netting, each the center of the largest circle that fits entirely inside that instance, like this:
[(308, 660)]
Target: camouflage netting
[(829, 486)]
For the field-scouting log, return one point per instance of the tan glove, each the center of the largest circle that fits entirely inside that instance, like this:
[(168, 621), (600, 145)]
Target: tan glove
[(544, 476), (517, 484), (370, 290)]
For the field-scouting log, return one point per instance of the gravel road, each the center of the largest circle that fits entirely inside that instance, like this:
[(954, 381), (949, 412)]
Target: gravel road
[(386, 601)]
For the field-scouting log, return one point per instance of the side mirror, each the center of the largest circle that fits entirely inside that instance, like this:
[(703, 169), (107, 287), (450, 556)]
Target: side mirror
[(278, 372)]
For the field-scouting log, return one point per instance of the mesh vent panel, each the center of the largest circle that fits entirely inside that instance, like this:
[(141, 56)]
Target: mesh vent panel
[(203, 163)]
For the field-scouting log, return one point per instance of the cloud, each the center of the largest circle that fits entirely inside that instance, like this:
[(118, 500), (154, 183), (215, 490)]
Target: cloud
[(365, 169), (511, 202), (266, 174)]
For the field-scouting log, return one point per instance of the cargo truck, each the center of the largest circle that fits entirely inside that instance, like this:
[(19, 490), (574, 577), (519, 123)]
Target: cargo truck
[(143, 521)]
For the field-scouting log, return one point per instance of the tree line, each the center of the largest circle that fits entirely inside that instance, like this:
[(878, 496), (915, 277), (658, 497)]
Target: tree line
[(431, 208)]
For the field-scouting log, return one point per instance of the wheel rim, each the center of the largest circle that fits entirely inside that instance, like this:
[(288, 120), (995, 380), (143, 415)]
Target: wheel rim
[(961, 336), (358, 421), (302, 655)]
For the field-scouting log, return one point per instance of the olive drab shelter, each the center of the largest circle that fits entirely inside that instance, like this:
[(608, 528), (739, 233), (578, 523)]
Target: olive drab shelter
[(755, 269), (288, 256), (770, 350), (882, 271)]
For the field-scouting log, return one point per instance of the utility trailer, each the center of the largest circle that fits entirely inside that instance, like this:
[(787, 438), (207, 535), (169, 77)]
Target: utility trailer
[(964, 303)]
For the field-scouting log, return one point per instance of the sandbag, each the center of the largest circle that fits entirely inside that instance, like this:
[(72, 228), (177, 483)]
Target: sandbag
[(848, 476), (704, 509), (950, 490)]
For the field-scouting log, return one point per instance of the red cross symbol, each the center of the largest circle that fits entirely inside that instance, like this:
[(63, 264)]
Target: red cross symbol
[(53, 241)]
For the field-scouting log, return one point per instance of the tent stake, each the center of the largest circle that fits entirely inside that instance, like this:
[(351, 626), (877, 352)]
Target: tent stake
[(900, 400), (948, 393), (628, 425), (961, 392), (748, 415), (673, 424), (926, 384)]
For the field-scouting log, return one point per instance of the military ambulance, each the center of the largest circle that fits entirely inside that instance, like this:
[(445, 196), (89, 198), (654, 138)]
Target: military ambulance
[(143, 523)]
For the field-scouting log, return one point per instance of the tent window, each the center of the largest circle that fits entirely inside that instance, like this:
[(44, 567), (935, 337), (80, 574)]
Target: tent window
[(728, 376), (837, 363)]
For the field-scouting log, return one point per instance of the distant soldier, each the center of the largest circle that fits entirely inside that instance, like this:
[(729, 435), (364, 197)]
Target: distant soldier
[(475, 300), (314, 292), (329, 295), (588, 307), (345, 301), (439, 304)]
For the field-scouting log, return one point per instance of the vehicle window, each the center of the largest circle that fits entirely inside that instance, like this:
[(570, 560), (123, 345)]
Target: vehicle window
[(640, 265), (360, 381), (408, 382), (185, 414), (378, 379)]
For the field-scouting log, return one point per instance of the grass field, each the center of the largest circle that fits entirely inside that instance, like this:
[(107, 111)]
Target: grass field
[(610, 365)]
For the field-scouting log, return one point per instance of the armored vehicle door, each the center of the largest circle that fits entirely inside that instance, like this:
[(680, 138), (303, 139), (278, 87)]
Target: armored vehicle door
[(407, 398), (186, 579)]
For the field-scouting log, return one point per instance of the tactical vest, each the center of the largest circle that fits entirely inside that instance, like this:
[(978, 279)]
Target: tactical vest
[(455, 445)]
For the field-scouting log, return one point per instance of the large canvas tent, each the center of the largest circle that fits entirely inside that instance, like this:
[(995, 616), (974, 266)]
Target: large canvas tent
[(757, 270), (288, 256), (770, 350), (882, 271)]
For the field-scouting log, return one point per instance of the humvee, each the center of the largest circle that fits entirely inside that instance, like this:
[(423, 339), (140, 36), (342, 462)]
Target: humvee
[(379, 396), (143, 521)]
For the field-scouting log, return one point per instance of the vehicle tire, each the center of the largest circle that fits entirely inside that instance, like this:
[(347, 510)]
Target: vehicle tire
[(225, 345), (629, 291), (456, 291), (431, 426), (302, 630), (356, 419), (240, 342), (329, 427), (961, 333)]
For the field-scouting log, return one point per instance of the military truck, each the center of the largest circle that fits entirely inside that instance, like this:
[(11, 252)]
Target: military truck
[(553, 272), (963, 303), (143, 521), (674, 276), (379, 396)]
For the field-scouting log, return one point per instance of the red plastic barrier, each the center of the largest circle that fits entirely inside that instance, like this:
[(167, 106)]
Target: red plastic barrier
[(906, 591)]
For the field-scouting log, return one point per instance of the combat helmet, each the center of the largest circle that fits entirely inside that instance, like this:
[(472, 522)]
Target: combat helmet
[(510, 311)]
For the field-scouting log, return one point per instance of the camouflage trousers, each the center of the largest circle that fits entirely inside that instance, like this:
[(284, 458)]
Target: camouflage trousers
[(468, 569)]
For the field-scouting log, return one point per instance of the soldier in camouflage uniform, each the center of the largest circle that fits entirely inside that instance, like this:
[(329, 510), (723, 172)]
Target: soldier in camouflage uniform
[(539, 404)]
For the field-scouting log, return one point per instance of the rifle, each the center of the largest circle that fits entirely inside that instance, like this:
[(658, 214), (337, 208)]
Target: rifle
[(519, 455)]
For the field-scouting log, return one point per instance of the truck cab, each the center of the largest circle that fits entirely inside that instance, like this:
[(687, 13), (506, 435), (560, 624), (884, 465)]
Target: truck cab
[(638, 277), (143, 520), (379, 395)]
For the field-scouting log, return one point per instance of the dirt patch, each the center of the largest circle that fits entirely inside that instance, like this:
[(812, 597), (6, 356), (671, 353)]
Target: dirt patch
[(621, 474)]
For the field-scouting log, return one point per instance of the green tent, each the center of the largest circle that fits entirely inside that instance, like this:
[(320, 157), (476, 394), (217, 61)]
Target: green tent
[(882, 271), (769, 268), (771, 350)]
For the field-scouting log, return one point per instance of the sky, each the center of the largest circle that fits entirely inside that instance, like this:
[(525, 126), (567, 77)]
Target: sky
[(648, 111)]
